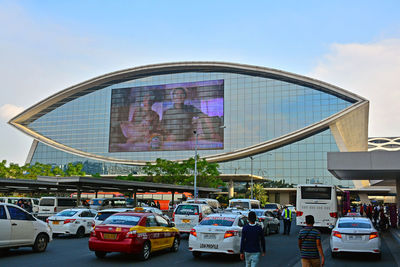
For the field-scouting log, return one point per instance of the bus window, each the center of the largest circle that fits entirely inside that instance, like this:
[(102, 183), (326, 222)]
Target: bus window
[(310, 192)]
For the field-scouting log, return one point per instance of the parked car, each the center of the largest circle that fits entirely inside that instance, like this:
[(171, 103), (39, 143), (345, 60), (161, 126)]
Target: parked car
[(275, 208), (269, 221), (49, 206), (217, 233), (76, 222), (18, 228), (355, 234), (247, 204), (186, 216), (34, 202), (134, 233), (107, 203), (213, 203)]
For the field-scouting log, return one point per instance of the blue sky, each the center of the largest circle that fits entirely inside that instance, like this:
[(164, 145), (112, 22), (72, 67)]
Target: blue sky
[(46, 46)]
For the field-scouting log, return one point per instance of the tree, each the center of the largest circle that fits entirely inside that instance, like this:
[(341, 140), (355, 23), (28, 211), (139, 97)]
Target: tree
[(75, 170), (260, 194)]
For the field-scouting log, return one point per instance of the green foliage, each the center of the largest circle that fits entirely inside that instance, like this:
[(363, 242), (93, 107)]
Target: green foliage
[(260, 194), (171, 172), (75, 170)]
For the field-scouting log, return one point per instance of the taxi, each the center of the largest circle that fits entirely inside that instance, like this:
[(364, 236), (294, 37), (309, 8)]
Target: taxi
[(134, 233), (217, 233)]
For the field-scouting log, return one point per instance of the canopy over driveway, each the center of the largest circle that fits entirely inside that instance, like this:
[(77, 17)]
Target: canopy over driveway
[(374, 165), (89, 184)]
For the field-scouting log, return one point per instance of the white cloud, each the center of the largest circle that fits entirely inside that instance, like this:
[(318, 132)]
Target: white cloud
[(371, 71), (7, 111)]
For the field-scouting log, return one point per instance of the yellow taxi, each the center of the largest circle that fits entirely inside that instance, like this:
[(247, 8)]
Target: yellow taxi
[(136, 232)]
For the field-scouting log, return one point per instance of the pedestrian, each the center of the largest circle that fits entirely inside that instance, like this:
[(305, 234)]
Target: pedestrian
[(252, 244), (309, 241), (361, 210), (287, 220)]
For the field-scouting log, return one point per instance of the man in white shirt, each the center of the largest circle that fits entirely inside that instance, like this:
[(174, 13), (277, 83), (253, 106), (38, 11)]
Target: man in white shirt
[(287, 220)]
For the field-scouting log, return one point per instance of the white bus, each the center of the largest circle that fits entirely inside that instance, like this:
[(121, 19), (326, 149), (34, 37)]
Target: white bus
[(319, 201)]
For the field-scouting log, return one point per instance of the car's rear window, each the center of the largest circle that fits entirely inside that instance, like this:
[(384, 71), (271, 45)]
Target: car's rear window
[(187, 209), (66, 202), (243, 205), (363, 225), (47, 202), (96, 202), (271, 206), (67, 213), (101, 216), (259, 213), (122, 220), (218, 221)]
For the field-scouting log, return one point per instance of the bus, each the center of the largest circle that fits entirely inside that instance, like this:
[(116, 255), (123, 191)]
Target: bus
[(321, 201)]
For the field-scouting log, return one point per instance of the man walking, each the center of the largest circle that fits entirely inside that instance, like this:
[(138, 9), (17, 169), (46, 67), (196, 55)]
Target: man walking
[(253, 242), (287, 220), (310, 246)]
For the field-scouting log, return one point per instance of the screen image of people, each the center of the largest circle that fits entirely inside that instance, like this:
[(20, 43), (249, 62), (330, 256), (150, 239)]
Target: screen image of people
[(165, 117)]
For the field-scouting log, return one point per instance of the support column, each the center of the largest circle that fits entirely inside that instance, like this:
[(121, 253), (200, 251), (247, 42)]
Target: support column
[(134, 198), (172, 198), (78, 196), (97, 191), (397, 193), (231, 189)]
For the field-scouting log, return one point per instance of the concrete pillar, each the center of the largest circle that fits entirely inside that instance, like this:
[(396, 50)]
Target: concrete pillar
[(97, 191), (172, 198), (78, 196), (134, 198), (231, 189), (397, 193)]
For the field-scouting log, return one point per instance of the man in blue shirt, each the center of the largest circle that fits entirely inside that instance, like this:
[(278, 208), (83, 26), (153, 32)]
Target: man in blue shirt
[(287, 220), (253, 242)]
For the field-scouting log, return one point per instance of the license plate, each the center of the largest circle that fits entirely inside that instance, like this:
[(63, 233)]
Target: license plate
[(209, 236), (56, 222), (110, 236), (186, 221), (212, 246), (355, 237)]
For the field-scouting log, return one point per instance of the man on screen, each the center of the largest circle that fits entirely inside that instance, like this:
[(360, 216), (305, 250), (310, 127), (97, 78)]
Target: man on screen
[(181, 120)]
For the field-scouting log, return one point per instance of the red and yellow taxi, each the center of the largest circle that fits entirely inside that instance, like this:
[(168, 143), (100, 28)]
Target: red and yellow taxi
[(136, 232)]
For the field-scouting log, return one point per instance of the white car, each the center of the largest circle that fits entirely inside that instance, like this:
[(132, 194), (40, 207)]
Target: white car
[(186, 216), (217, 233), (355, 234), (18, 228), (72, 221)]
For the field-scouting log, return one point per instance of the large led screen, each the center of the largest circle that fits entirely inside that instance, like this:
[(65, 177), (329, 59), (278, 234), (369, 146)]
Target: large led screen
[(166, 117)]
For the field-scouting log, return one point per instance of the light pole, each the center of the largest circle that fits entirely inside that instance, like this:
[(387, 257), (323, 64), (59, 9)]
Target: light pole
[(251, 187), (195, 166)]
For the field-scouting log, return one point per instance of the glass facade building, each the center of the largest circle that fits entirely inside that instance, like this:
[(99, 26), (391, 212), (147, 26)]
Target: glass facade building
[(257, 107)]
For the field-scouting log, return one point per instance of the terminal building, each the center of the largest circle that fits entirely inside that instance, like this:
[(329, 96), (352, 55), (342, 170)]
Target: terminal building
[(249, 119)]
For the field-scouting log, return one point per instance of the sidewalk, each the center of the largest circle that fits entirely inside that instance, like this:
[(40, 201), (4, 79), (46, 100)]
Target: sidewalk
[(395, 233)]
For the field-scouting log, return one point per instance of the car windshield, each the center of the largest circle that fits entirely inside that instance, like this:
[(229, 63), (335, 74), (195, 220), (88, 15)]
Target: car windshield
[(101, 216), (187, 209), (363, 225), (271, 206), (122, 220), (218, 221), (96, 202), (67, 213), (259, 213), (240, 205)]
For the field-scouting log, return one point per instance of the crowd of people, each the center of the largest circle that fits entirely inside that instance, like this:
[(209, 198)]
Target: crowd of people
[(382, 216)]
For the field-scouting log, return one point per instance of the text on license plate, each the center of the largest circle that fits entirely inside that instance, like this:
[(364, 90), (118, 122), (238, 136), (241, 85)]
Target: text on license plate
[(110, 236), (56, 222), (355, 237), (214, 246), (209, 236), (186, 221)]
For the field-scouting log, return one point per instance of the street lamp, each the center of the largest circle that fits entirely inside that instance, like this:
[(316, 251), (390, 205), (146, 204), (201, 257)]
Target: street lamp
[(195, 165)]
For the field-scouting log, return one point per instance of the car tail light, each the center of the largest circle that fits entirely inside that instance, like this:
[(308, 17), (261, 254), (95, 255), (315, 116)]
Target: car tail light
[(231, 233), (333, 214), (373, 235), (69, 221), (131, 234), (299, 213), (93, 233), (337, 234), (173, 216), (47, 220), (55, 209), (200, 217), (260, 219), (193, 232)]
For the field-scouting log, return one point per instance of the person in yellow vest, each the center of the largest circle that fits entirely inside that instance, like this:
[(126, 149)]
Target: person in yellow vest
[(287, 220)]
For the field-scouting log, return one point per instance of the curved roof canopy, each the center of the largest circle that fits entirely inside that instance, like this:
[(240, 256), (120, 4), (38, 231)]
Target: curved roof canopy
[(45, 106)]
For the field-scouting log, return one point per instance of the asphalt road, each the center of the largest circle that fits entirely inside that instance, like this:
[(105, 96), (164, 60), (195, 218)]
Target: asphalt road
[(281, 251)]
